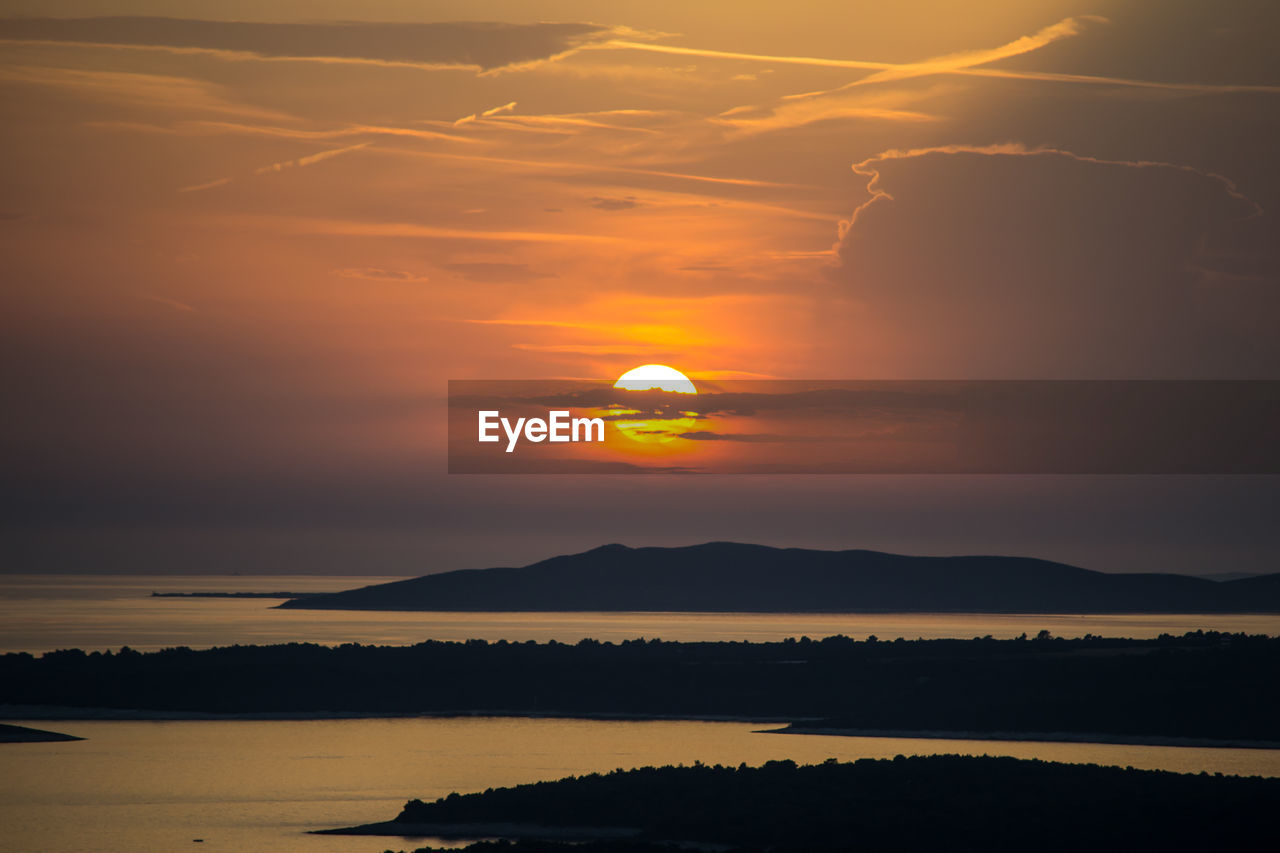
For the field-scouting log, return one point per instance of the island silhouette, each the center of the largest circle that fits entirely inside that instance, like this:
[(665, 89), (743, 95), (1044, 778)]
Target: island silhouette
[(943, 802), (735, 577)]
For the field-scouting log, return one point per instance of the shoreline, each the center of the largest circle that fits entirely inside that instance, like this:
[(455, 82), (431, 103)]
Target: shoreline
[(45, 713), (61, 712), (496, 829), (1033, 737)]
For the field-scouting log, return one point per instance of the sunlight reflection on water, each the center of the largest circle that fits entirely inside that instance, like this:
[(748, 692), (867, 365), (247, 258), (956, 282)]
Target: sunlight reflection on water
[(253, 785), (102, 612)]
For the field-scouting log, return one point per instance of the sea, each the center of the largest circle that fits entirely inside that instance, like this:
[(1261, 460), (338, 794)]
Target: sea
[(40, 613), (246, 785)]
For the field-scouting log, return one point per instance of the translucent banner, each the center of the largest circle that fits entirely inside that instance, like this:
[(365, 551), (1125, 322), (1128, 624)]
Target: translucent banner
[(864, 427)]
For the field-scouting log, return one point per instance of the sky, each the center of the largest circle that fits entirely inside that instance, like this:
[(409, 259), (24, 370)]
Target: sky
[(248, 244)]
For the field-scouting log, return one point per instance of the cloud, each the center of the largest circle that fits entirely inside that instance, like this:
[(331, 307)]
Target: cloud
[(504, 108), (967, 59), (155, 91), (493, 111), (480, 46), (379, 274), (756, 437), (594, 349), (280, 166), (213, 128), (207, 185), (870, 167), (619, 169), (964, 63), (561, 123), (886, 106), (999, 260), (603, 203), (493, 271), (308, 160), (372, 228)]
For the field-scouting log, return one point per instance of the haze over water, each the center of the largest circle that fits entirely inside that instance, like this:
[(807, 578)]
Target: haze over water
[(42, 613)]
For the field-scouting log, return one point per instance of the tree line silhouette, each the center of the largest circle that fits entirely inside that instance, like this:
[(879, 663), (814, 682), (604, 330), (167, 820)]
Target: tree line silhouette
[(944, 802), (1201, 684)]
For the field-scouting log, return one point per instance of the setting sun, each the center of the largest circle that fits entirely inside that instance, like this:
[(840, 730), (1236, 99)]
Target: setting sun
[(655, 377)]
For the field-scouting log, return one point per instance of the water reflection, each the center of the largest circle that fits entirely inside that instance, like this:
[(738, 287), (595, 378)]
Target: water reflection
[(252, 785), (40, 614)]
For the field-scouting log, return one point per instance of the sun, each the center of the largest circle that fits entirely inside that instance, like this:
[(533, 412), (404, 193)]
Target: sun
[(650, 417), (655, 377)]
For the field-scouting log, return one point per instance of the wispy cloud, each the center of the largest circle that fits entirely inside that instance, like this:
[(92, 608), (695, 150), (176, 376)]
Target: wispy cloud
[(161, 92), (483, 47), (356, 228), (310, 159), (964, 63), (492, 111), (380, 274), (208, 185), (212, 128), (571, 166), (881, 106), (297, 163), (592, 349), (966, 59)]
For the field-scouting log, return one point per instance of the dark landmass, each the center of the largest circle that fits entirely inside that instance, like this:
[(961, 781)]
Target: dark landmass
[(1203, 685), (730, 577), (22, 734), (923, 803), (291, 595), (1229, 576)]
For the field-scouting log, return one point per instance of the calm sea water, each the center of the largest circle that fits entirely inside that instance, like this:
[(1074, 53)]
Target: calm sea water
[(40, 613), (146, 787), (252, 785)]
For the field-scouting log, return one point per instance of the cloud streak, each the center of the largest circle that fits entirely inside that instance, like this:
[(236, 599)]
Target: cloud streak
[(155, 91), (962, 64), (357, 228), (309, 160), (280, 166), (492, 111), (483, 47)]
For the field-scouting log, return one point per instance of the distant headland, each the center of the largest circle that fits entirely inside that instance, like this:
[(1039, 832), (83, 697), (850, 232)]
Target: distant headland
[(734, 577)]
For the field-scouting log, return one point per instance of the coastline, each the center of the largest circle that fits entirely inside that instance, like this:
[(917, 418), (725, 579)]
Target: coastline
[(1032, 737), (60, 712), (496, 829), (33, 713)]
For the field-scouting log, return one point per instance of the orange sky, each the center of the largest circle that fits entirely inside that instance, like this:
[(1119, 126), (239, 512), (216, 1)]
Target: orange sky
[(247, 244)]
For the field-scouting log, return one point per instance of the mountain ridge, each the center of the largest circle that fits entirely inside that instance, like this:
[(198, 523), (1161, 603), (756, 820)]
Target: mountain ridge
[(741, 577)]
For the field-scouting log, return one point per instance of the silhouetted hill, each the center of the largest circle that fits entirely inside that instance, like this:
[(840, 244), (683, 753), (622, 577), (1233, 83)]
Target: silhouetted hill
[(945, 802), (727, 576)]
